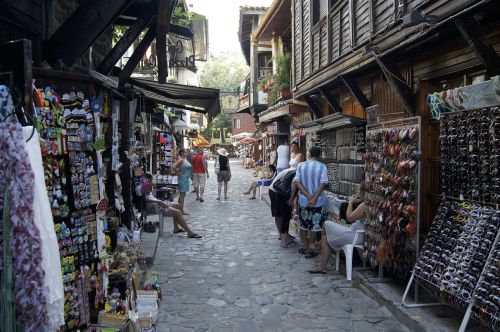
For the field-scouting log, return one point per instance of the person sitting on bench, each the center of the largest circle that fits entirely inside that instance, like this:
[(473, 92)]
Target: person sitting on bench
[(170, 209)]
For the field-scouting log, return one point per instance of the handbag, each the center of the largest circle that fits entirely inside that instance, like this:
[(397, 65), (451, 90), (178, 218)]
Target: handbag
[(217, 169), (283, 185)]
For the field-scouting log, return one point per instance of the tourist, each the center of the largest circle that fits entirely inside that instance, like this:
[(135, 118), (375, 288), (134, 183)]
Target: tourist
[(336, 235), (295, 155), (283, 153), (200, 173), (272, 155), (169, 209), (224, 176), (311, 179), (271, 173), (183, 168), (280, 191)]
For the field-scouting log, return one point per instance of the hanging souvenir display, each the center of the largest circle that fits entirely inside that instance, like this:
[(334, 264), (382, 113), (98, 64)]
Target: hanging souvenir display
[(391, 175), (67, 131)]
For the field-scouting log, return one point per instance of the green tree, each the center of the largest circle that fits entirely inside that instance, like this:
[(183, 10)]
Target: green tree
[(221, 121), (224, 72)]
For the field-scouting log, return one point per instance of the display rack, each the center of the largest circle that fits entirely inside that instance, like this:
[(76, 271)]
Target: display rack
[(459, 260), (342, 152), (457, 257), (392, 177)]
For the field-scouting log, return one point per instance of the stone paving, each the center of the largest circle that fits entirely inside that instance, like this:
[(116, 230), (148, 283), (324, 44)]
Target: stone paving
[(237, 278)]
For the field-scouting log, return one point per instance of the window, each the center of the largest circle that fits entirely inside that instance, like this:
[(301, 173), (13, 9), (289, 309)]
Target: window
[(238, 123), (265, 60), (319, 9)]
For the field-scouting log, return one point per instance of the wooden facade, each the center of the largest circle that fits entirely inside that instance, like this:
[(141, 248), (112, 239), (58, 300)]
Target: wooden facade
[(344, 54)]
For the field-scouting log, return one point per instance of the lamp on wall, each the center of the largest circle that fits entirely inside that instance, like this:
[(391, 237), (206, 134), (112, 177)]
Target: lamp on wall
[(416, 17)]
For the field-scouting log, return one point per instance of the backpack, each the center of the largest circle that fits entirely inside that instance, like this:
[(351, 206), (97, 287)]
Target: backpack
[(283, 185)]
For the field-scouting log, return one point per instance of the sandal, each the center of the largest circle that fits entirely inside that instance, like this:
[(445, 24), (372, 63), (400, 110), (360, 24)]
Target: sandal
[(302, 251), (311, 254), (180, 230), (195, 236), (316, 271), (252, 198)]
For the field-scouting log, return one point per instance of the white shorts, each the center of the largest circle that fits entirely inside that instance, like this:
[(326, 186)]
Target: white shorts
[(199, 179)]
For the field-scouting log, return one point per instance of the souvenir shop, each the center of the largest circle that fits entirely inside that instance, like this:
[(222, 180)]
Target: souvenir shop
[(65, 194), (341, 139), (279, 121)]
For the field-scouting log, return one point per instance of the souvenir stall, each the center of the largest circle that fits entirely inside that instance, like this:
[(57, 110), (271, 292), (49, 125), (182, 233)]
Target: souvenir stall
[(458, 262), (79, 124), (392, 177), (341, 140)]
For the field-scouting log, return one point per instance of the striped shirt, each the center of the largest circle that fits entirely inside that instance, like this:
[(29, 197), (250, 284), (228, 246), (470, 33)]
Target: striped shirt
[(311, 174)]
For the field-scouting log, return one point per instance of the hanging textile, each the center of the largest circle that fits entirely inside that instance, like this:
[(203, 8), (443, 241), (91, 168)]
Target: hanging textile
[(7, 307), (16, 177), (51, 262)]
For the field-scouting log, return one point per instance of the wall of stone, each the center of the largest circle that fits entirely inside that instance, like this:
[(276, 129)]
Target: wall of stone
[(61, 10)]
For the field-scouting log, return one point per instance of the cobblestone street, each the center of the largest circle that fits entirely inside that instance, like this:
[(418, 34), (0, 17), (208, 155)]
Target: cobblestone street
[(237, 278)]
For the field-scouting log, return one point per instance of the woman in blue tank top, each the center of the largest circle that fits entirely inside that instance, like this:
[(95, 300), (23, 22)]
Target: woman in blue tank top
[(183, 168)]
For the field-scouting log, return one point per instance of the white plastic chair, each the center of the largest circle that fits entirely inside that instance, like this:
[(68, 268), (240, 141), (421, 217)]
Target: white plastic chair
[(348, 251), (261, 188)]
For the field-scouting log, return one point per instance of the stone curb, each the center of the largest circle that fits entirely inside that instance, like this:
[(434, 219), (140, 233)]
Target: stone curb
[(361, 282)]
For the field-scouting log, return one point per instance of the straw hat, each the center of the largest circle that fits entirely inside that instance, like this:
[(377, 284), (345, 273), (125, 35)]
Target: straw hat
[(222, 152)]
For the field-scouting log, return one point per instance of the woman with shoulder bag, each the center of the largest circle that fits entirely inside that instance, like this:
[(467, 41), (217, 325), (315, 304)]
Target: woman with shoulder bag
[(224, 171)]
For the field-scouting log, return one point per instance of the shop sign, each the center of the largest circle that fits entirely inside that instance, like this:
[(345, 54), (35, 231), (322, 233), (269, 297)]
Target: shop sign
[(272, 128), (174, 62)]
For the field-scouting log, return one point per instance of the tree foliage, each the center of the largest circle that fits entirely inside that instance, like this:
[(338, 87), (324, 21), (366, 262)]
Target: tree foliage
[(222, 120), (224, 72)]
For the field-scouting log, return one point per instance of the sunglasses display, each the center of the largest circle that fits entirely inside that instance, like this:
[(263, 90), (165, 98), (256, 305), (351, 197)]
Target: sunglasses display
[(342, 151), (461, 256), (470, 155), (391, 177)]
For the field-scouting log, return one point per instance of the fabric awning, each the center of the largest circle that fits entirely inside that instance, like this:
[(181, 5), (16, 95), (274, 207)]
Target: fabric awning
[(187, 97), (200, 142)]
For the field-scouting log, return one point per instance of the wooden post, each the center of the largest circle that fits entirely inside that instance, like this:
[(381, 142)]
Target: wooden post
[(330, 100), (162, 28)]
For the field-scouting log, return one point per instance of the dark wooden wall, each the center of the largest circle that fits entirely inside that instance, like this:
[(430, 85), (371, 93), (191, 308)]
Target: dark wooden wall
[(348, 25), (23, 19)]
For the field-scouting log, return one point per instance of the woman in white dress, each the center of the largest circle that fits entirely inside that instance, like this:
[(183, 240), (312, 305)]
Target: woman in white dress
[(336, 235), (295, 155)]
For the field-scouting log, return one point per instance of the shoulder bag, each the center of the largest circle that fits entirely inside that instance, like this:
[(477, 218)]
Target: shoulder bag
[(283, 185)]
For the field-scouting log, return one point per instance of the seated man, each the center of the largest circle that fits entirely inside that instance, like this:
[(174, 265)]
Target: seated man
[(271, 173), (170, 209)]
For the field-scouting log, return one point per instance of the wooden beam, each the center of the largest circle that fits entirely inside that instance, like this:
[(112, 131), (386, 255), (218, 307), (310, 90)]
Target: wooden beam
[(81, 29), (355, 90), (471, 31), (398, 84), (137, 55), (127, 39), (162, 28), (314, 107), (330, 100)]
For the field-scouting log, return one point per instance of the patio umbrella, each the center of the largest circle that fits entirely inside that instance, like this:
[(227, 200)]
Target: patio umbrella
[(248, 140)]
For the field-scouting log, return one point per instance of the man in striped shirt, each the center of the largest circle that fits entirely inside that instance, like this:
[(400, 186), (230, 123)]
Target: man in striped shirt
[(311, 179)]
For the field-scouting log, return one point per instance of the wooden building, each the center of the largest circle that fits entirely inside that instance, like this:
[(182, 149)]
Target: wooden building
[(352, 54)]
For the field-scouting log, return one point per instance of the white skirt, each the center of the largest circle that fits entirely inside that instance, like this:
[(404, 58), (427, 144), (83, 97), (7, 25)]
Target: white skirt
[(339, 235)]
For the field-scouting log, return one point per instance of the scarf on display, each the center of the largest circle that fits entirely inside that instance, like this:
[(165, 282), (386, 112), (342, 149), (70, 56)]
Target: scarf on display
[(17, 178)]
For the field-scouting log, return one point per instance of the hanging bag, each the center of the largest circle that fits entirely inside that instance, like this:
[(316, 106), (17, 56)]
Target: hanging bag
[(283, 185)]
